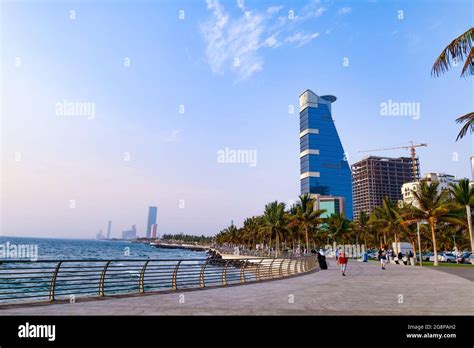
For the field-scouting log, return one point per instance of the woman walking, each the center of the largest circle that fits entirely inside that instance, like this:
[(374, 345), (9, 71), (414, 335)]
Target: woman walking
[(342, 261), (383, 257)]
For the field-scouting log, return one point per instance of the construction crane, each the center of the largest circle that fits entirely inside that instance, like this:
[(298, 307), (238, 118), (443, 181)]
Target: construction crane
[(412, 151)]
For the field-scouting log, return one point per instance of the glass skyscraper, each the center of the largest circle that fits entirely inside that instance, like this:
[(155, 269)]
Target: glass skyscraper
[(324, 167), (152, 212)]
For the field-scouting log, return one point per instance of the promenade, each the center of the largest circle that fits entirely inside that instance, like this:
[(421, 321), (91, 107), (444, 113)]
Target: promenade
[(401, 290)]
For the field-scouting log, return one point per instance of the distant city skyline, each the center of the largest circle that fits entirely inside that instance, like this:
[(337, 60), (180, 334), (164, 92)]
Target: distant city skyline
[(192, 106), (152, 213)]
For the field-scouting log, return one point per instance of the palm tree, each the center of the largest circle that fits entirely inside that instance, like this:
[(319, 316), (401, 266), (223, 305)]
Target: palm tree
[(459, 49), (468, 126), (388, 218), (250, 229), (306, 217), (292, 228), (434, 208), (274, 222), (337, 225), (362, 226), (463, 194)]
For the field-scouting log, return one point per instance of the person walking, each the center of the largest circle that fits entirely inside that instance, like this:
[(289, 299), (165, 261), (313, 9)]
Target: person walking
[(383, 257), (322, 259), (342, 261)]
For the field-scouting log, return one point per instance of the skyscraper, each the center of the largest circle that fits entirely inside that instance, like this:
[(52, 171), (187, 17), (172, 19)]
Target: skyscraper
[(377, 177), (108, 229), (152, 212), (324, 168)]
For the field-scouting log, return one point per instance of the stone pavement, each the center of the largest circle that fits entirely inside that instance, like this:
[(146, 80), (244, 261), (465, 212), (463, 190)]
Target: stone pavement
[(464, 272), (365, 290)]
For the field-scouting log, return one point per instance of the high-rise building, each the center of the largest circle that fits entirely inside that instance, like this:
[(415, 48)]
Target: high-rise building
[(153, 230), (108, 229), (443, 180), (99, 235), (377, 177), (324, 167), (152, 212), (130, 234), (330, 205)]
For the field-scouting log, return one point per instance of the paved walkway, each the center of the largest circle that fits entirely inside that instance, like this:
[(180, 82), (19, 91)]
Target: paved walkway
[(365, 290), (464, 272)]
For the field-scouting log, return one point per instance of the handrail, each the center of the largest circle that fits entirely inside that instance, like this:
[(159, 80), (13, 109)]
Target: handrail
[(174, 284), (53, 280), (102, 280), (201, 275), (141, 282), (224, 273)]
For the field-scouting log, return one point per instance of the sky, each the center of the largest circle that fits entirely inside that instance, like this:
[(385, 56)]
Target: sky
[(108, 107)]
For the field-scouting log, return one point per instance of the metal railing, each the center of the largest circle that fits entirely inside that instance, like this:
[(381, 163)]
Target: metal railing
[(50, 280)]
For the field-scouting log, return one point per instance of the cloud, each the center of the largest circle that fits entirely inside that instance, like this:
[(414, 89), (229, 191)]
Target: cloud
[(274, 9), (271, 41), (241, 4), (301, 39), (235, 42), (172, 137), (345, 10), (311, 10)]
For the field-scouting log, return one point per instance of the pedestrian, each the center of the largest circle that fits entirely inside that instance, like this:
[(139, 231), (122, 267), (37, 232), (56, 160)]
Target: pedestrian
[(382, 257), (322, 259), (342, 261)]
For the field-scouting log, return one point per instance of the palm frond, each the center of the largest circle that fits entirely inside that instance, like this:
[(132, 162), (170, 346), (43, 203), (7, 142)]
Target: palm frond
[(459, 48), (468, 126), (468, 68)]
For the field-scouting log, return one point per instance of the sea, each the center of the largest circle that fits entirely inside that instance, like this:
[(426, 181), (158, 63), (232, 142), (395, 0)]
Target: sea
[(78, 249), (27, 268)]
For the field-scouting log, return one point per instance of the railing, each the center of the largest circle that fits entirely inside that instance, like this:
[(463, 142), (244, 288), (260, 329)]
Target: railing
[(50, 280)]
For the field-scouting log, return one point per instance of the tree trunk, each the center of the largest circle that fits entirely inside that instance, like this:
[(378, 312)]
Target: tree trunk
[(433, 236), (306, 236), (396, 245), (469, 225), (412, 241), (277, 245)]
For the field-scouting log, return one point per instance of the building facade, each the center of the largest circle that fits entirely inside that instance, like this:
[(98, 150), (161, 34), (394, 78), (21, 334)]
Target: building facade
[(330, 205), (130, 234), (442, 179), (377, 177), (324, 169), (109, 227), (152, 212)]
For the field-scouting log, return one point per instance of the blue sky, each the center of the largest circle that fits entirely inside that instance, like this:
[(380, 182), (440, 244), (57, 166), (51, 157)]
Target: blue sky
[(170, 91)]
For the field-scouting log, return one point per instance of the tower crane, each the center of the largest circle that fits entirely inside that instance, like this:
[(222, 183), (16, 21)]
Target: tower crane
[(412, 151)]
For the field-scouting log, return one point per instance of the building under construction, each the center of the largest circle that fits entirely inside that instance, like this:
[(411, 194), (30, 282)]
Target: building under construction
[(376, 177)]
